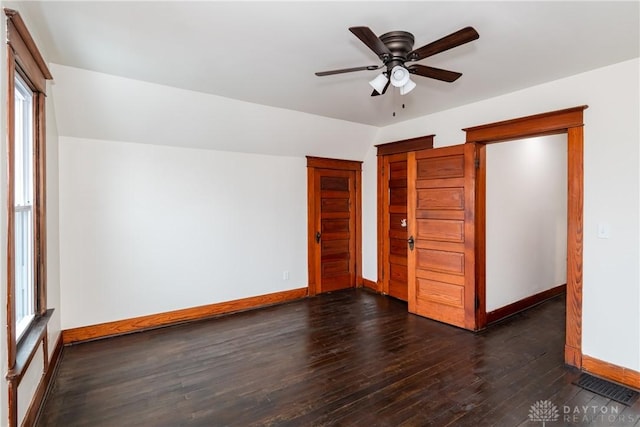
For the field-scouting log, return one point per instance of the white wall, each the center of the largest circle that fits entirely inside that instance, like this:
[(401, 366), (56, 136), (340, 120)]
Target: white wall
[(526, 218), (369, 214), (159, 206), (166, 228), (612, 189), (33, 375)]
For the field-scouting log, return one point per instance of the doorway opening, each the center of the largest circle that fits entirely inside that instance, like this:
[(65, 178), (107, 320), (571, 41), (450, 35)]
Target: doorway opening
[(571, 123), (526, 222)]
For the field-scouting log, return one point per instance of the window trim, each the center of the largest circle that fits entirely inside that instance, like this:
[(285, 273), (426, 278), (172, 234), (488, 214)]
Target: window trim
[(24, 59)]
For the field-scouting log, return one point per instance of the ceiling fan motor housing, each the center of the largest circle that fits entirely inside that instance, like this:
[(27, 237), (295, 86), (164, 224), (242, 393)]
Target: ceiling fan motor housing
[(399, 43)]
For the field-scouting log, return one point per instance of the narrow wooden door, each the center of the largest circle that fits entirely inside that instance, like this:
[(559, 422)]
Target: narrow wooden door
[(396, 165), (441, 208), (392, 214), (334, 206)]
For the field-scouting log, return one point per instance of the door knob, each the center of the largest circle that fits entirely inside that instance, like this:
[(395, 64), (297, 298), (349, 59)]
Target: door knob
[(318, 237), (411, 242)]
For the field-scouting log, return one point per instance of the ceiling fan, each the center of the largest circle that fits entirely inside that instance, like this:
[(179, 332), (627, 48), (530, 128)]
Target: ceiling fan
[(395, 49)]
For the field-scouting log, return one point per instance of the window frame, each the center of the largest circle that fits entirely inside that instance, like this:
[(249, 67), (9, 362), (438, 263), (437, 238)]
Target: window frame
[(24, 60)]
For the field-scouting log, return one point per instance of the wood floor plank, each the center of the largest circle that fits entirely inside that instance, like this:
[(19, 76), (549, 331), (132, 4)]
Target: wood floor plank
[(348, 358)]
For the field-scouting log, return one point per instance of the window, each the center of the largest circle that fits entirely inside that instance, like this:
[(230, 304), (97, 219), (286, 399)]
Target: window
[(23, 206), (27, 313)]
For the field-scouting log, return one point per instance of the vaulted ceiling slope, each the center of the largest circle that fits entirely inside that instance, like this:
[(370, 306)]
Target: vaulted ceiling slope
[(101, 106), (267, 52)]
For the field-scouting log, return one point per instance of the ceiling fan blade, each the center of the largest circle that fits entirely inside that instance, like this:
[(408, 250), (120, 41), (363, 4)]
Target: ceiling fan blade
[(371, 40), (348, 70), (434, 73), (375, 92), (458, 38)]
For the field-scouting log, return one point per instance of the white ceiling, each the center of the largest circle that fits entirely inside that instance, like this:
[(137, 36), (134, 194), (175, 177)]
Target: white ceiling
[(267, 52)]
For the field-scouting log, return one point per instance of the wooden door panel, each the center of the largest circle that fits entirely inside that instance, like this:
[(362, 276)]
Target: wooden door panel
[(442, 261), (335, 205), (398, 247), (440, 292), (445, 230), (451, 166), (397, 196), (331, 268), (329, 247), (441, 196), (398, 279), (334, 183), (398, 289), (444, 302), (332, 225), (395, 260)]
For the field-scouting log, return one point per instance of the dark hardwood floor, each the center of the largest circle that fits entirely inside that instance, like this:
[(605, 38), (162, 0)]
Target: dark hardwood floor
[(350, 358)]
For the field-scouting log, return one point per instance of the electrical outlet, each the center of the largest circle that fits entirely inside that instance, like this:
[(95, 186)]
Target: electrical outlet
[(285, 275), (604, 231)]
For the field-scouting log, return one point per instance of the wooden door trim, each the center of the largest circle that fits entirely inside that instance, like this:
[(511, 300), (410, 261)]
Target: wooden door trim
[(571, 122), (338, 164), (411, 209), (383, 223), (405, 145), (313, 255), (384, 151), (552, 122)]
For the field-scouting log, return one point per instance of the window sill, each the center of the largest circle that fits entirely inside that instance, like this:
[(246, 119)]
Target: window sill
[(28, 345)]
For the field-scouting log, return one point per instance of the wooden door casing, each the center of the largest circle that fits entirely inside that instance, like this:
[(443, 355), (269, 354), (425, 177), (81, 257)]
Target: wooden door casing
[(569, 121), (334, 236), (441, 208)]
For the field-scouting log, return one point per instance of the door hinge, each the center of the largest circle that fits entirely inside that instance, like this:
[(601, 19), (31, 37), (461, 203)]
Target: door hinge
[(477, 162)]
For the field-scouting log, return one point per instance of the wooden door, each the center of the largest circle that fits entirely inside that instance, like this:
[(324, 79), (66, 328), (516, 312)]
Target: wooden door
[(334, 237), (392, 214), (441, 208), (396, 285)]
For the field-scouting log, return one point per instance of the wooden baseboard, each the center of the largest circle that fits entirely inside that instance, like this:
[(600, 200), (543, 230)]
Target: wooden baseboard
[(523, 304), (611, 372), (45, 383), (572, 356), (370, 284), (136, 324)]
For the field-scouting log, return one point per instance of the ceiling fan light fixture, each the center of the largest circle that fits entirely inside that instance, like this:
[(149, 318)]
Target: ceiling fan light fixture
[(411, 85), (399, 76), (379, 83)]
